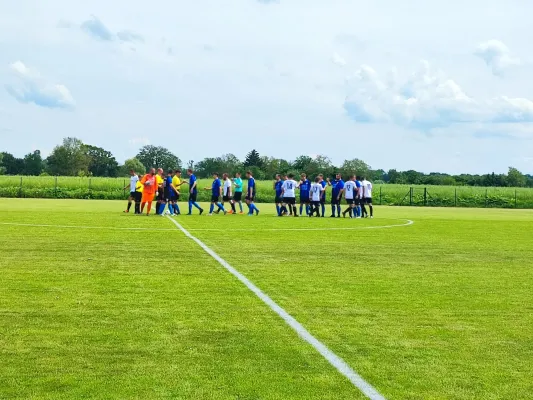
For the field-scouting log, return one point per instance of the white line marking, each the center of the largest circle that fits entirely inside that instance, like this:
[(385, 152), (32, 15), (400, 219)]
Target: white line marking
[(337, 362), (84, 227), (408, 222)]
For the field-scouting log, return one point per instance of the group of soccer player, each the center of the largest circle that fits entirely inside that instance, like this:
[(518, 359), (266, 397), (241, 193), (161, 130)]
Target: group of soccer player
[(357, 194), (166, 190)]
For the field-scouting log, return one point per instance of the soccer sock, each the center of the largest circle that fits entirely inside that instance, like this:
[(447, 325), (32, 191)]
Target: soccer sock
[(196, 205), (301, 208), (363, 208), (339, 210), (278, 209), (249, 208), (211, 208), (129, 206), (308, 209), (176, 208), (157, 206), (190, 207), (221, 207), (149, 208), (171, 208), (350, 212), (359, 210), (137, 208), (333, 207), (323, 209), (233, 206), (295, 210), (371, 210), (240, 205)]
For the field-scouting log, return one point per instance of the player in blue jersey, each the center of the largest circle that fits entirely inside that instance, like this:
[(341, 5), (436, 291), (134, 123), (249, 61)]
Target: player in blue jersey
[(250, 194), (193, 192), (336, 196), (305, 189), (323, 197), (280, 208), (216, 193), (358, 197)]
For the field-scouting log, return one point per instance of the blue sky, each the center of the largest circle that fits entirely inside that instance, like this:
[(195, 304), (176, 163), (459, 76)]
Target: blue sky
[(425, 85)]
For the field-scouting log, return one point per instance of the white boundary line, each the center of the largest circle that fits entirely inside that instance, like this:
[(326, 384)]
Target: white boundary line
[(84, 227), (340, 365), (407, 223)]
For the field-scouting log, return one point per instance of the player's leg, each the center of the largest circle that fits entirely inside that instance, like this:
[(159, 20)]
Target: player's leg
[(138, 197), (130, 200), (333, 207)]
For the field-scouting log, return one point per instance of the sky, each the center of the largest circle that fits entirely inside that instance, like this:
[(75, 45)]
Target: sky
[(426, 85)]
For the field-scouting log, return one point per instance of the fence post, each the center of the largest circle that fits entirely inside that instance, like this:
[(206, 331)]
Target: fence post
[(515, 205), (425, 196), (411, 196), (55, 187), (124, 187), (380, 195), (89, 188), (455, 197), (20, 188), (486, 198)]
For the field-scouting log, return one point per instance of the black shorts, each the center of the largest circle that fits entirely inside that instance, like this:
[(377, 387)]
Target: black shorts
[(278, 200), (323, 200), (226, 198), (168, 195), (174, 197), (138, 196), (304, 200), (350, 201), (289, 200), (215, 199), (250, 198), (237, 196), (367, 200), (335, 201), (132, 194), (161, 195), (193, 197)]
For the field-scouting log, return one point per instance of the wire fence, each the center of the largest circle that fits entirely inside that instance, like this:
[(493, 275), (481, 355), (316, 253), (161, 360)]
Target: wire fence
[(54, 187)]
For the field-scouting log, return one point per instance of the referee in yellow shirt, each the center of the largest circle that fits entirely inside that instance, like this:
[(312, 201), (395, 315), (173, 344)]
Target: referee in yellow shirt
[(175, 191)]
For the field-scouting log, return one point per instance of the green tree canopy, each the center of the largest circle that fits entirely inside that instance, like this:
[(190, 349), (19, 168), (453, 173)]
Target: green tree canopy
[(101, 162), (68, 159), (33, 163), (132, 164), (158, 157), (12, 165), (253, 159), (515, 178)]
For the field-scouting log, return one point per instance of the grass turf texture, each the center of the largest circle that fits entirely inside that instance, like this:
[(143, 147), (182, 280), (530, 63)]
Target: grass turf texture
[(65, 187), (439, 309)]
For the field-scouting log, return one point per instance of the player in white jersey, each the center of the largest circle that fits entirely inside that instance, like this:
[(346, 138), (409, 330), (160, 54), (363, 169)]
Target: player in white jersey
[(227, 194), (316, 195), (288, 193), (367, 198), (350, 194), (132, 185)]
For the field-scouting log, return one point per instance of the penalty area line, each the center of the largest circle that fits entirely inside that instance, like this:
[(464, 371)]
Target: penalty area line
[(338, 363)]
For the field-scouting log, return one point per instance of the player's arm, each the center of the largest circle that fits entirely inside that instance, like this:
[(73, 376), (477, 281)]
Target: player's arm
[(220, 191), (174, 188)]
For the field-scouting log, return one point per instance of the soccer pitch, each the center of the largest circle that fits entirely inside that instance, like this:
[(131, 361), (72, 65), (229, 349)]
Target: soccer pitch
[(98, 304)]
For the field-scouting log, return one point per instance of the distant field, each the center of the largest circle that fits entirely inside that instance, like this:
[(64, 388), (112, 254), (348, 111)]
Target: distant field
[(112, 189), (99, 304)]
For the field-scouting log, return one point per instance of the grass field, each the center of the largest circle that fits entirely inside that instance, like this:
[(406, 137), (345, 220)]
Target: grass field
[(69, 187), (90, 308)]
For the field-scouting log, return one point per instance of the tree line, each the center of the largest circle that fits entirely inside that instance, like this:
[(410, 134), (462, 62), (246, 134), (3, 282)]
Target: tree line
[(75, 158)]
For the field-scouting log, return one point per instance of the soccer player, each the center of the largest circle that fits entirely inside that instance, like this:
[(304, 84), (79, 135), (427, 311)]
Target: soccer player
[(237, 197), (358, 198), (160, 180), (288, 191), (250, 194), (324, 184), (316, 196), (176, 185), (227, 195), (305, 187), (133, 183), (336, 186), (216, 192), (138, 195), (278, 200), (150, 187), (350, 192), (367, 197), (193, 192)]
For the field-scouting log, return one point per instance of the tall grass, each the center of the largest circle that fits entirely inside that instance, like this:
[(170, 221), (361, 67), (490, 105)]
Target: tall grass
[(113, 189)]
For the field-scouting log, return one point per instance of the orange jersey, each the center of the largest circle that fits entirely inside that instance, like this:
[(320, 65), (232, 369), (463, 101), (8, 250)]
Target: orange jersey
[(150, 185)]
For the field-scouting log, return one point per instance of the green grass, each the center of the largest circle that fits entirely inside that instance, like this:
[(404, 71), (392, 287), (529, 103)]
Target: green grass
[(439, 309), (113, 189)]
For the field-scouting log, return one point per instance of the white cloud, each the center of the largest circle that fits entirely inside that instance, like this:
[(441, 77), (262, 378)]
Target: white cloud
[(338, 60), (136, 141), (497, 56), (32, 88), (426, 100), (95, 28)]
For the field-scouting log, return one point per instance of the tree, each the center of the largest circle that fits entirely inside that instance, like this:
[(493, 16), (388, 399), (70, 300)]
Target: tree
[(273, 166), (253, 159), (2, 169), (228, 163), (158, 157), (68, 158), (515, 178), (11, 164), (132, 164), (101, 162), (33, 163), (355, 166)]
